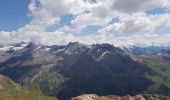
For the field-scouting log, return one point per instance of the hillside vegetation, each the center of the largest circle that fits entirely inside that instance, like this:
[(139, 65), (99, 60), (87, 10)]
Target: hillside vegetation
[(11, 91)]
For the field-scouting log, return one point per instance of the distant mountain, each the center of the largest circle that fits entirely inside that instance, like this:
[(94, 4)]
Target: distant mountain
[(145, 50), (74, 69)]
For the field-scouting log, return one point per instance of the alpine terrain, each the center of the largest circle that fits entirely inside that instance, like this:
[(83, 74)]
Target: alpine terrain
[(71, 70)]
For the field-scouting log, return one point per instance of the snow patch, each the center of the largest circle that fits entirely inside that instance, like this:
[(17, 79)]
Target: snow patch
[(7, 48), (17, 48), (37, 48), (59, 50), (104, 53), (47, 49), (24, 44), (68, 52)]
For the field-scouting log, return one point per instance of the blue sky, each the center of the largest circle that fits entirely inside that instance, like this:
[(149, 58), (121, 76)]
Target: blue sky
[(13, 14), (87, 21)]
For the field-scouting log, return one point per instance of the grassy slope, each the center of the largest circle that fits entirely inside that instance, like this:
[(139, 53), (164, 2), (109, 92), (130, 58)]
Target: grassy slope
[(11, 91), (162, 70)]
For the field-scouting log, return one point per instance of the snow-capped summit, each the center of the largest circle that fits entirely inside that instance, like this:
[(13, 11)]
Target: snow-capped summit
[(14, 47)]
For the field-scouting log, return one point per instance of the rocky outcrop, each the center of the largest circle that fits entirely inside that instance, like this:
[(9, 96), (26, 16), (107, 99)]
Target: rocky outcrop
[(114, 97)]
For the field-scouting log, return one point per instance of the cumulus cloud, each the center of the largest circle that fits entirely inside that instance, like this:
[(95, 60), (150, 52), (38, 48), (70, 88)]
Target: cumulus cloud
[(97, 14), (49, 12), (131, 6), (134, 25)]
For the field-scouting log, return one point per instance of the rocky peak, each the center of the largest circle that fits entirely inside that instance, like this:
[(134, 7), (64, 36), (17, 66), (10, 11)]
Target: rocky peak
[(75, 48), (103, 49), (31, 45), (75, 45)]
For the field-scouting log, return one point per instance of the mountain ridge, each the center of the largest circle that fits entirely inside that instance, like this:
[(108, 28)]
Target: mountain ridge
[(75, 69)]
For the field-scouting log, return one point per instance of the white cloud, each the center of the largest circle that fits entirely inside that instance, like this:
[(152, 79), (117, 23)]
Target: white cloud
[(132, 6), (96, 14), (49, 12), (85, 20), (113, 28), (134, 25), (137, 23), (41, 18)]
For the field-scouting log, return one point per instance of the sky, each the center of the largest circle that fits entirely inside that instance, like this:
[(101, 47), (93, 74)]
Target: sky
[(13, 15), (58, 22)]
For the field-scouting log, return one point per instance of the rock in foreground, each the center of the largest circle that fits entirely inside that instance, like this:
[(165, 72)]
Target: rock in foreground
[(114, 97)]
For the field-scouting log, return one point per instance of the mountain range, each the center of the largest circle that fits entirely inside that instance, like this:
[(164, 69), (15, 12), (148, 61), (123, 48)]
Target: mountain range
[(74, 69)]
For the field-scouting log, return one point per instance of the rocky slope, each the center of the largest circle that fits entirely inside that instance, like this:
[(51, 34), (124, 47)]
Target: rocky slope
[(114, 97)]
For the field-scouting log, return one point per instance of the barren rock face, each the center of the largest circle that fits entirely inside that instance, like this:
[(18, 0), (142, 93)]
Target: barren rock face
[(86, 97), (113, 97)]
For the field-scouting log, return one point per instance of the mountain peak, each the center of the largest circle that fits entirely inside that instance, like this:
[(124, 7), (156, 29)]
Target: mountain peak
[(31, 45), (75, 47), (75, 44)]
